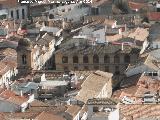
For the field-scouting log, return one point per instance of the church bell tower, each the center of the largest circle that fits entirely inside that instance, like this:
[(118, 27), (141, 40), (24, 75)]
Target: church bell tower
[(24, 55)]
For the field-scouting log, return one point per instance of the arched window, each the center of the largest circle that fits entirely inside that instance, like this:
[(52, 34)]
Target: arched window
[(12, 14), (64, 59), (127, 59), (117, 72), (23, 14), (106, 59), (95, 59), (85, 59), (116, 59), (17, 12), (75, 59), (24, 60)]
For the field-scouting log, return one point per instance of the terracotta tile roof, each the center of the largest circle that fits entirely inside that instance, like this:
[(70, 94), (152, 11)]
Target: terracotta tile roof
[(48, 116), (140, 34), (20, 115), (141, 111), (144, 84), (73, 110), (17, 100), (9, 3), (4, 68), (10, 96), (154, 16), (96, 3), (100, 20), (93, 85), (136, 5), (113, 38), (9, 52), (130, 92), (2, 117), (37, 103), (9, 60), (6, 94), (98, 49), (150, 63), (49, 108), (83, 73)]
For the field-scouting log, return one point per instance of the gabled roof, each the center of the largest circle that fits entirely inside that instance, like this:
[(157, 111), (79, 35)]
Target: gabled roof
[(140, 34), (73, 110), (48, 116), (152, 63), (93, 85)]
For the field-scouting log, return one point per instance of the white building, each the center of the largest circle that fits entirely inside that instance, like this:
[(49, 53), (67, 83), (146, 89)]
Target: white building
[(16, 13), (72, 12)]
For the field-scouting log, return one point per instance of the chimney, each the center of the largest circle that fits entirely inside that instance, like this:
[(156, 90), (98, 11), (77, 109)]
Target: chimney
[(63, 24), (21, 93), (120, 31), (105, 28), (122, 46), (125, 27)]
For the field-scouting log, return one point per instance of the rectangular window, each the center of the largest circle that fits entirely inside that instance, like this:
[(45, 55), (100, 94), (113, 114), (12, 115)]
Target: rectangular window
[(23, 14), (12, 14), (96, 11), (17, 11), (51, 6), (117, 72), (95, 109)]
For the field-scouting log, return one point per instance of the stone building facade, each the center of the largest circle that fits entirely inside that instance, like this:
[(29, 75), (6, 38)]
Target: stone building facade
[(109, 58)]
